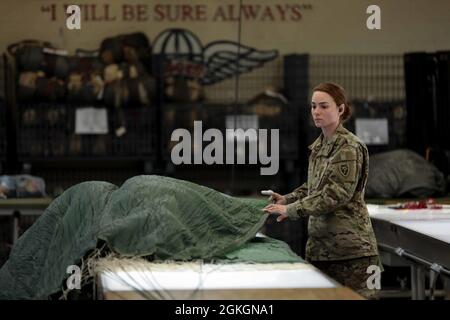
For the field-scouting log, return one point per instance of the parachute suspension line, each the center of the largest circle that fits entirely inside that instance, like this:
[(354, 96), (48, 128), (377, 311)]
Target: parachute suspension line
[(236, 90)]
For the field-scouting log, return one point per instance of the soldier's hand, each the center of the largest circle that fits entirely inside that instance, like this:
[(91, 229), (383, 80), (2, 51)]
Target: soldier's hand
[(277, 198), (276, 209)]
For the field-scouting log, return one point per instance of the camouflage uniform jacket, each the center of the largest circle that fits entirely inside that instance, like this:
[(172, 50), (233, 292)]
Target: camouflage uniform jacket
[(333, 197)]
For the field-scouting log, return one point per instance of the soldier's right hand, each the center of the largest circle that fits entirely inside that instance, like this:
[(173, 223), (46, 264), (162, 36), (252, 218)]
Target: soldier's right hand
[(277, 198)]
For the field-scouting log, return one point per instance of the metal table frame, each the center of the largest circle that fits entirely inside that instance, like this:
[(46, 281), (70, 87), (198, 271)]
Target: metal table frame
[(400, 246)]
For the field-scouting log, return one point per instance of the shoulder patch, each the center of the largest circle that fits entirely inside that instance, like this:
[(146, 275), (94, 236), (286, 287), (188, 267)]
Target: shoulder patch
[(344, 169)]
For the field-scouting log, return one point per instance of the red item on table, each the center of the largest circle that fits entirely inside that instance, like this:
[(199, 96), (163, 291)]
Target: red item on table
[(422, 204)]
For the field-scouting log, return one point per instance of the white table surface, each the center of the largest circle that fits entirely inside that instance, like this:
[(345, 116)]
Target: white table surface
[(431, 222), (438, 229), (211, 276)]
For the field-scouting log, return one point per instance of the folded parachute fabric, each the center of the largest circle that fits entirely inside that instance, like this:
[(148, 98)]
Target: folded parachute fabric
[(262, 250), (155, 216)]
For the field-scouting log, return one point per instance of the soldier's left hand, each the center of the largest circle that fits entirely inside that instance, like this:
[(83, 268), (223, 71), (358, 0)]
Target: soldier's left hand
[(276, 209)]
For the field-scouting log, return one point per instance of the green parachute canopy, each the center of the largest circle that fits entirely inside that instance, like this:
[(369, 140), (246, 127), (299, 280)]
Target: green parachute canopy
[(159, 217)]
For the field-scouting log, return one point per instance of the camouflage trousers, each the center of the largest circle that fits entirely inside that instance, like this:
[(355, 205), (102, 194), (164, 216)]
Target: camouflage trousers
[(351, 273)]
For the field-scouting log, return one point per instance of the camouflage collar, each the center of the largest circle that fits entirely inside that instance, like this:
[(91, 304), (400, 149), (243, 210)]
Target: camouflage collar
[(317, 144)]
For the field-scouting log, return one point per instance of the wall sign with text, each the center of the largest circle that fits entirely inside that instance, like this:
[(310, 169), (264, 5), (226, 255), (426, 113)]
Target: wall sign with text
[(163, 12)]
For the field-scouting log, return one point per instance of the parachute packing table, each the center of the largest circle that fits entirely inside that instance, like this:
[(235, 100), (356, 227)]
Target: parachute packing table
[(115, 235), (131, 279), (419, 238)]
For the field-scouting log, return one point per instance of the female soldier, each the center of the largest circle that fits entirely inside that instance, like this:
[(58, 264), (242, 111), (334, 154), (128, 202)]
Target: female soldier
[(341, 240)]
